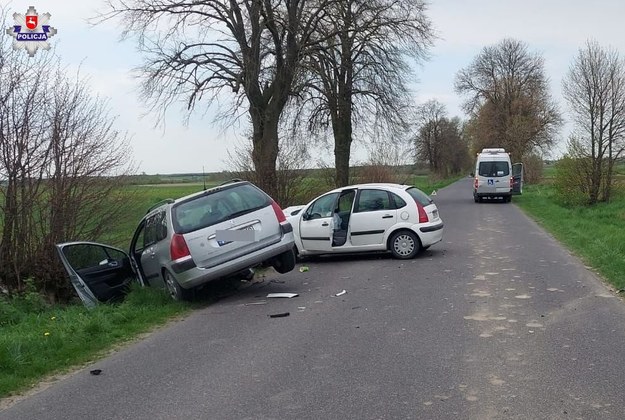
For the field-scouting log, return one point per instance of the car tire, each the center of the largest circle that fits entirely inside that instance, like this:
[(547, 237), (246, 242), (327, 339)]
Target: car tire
[(404, 244), (284, 262), (174, 290)]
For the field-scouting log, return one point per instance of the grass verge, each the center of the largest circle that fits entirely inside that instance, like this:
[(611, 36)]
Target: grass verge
[(595, 234), (37, 342)]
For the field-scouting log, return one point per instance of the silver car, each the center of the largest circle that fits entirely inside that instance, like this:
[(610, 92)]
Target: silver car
[(182, 244)]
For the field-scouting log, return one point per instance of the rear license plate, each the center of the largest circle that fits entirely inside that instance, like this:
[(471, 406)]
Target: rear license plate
[(224, 237)]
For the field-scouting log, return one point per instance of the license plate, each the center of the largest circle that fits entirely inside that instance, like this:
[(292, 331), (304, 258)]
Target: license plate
[(247, 234)]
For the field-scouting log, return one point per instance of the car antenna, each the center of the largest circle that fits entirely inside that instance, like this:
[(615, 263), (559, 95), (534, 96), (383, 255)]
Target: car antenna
[(204, 177)]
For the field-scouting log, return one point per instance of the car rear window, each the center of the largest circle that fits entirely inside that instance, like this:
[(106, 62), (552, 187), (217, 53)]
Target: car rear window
[(215, 207), (494, 168), (419, 196)]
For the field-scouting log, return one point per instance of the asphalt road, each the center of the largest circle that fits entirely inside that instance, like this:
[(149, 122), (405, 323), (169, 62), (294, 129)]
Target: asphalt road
[(496, 322)]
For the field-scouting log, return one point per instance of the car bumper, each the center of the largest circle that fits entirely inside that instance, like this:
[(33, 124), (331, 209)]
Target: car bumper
[(430, 234), (196, 276)]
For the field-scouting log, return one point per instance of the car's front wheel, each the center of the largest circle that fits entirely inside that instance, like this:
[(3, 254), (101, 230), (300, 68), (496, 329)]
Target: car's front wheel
[(175, 291), (405, 244)]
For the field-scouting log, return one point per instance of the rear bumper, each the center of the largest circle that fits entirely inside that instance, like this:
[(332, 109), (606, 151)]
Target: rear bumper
[(491, 193), (196, 276), (429, 235)]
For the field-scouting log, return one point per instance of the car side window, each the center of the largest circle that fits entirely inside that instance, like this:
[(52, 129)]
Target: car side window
[(399, 202), (139, 239), (322, 207), (85, 256), (155, 229), (373, 200)]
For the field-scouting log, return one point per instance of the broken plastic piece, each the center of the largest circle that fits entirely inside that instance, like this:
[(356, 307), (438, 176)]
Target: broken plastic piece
[(280, 315), (260, 302), (303, 269), (282, 295), (95, 371), (341, 293)]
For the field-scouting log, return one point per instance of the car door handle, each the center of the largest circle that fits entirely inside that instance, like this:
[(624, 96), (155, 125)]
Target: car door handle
[(325, 224), (113, 264), (387, 216)]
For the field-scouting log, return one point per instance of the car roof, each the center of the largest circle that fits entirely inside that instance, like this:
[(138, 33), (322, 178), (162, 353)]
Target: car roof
[(374, 185)]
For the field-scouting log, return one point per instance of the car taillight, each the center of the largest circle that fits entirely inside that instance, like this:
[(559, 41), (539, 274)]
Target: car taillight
[(178, 247), (278, 211), (423, 216), (476, 183), (511, 182)]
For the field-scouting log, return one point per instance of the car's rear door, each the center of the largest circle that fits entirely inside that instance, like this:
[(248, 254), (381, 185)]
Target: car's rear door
[(98, 272), (227, 223), (374, 213), (517, 178)]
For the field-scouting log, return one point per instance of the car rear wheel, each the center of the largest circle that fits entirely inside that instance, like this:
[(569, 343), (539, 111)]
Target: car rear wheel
[(175, 291), (405, 245), (284, 262)]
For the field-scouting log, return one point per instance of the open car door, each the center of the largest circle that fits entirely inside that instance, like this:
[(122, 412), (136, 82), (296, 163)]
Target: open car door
[(99, 273), (517, 179)]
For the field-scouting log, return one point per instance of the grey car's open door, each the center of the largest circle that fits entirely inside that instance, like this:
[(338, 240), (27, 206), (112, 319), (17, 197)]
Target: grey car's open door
[(99, 273), (517, 178)]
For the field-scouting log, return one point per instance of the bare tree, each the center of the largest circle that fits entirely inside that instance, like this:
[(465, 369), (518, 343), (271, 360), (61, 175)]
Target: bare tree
[(595, 91), (247, 50), (88, 163), (357, 78), (440, 141), (508, 100), (57, 164)]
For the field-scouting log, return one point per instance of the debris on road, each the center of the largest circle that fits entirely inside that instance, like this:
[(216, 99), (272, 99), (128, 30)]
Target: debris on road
[(280, 315), (341, 293), (282, 295), (303, 269), (95, 371)]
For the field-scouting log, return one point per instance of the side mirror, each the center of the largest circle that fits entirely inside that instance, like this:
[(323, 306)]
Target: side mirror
[(305, 216)]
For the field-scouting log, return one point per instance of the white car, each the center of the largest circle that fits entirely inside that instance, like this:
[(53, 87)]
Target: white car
[(366, 218)]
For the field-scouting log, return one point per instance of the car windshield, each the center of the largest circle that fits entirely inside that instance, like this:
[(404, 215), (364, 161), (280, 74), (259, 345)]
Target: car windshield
[(215, 207), (495, 168)]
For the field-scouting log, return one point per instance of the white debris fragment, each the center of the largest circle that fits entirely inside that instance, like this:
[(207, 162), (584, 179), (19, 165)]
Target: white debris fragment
[(282, 295)]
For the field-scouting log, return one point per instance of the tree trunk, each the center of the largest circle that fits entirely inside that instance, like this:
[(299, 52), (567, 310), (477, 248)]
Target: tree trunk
[(265, 151), (342, 128)]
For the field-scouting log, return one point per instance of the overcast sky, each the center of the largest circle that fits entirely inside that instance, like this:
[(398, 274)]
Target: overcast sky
[(554, 28)]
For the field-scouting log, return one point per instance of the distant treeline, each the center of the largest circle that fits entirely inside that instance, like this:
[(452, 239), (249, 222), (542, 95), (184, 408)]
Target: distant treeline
[(218, 177)]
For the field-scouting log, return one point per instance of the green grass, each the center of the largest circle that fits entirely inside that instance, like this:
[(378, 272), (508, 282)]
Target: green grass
[(594, 233), (38, 341)]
